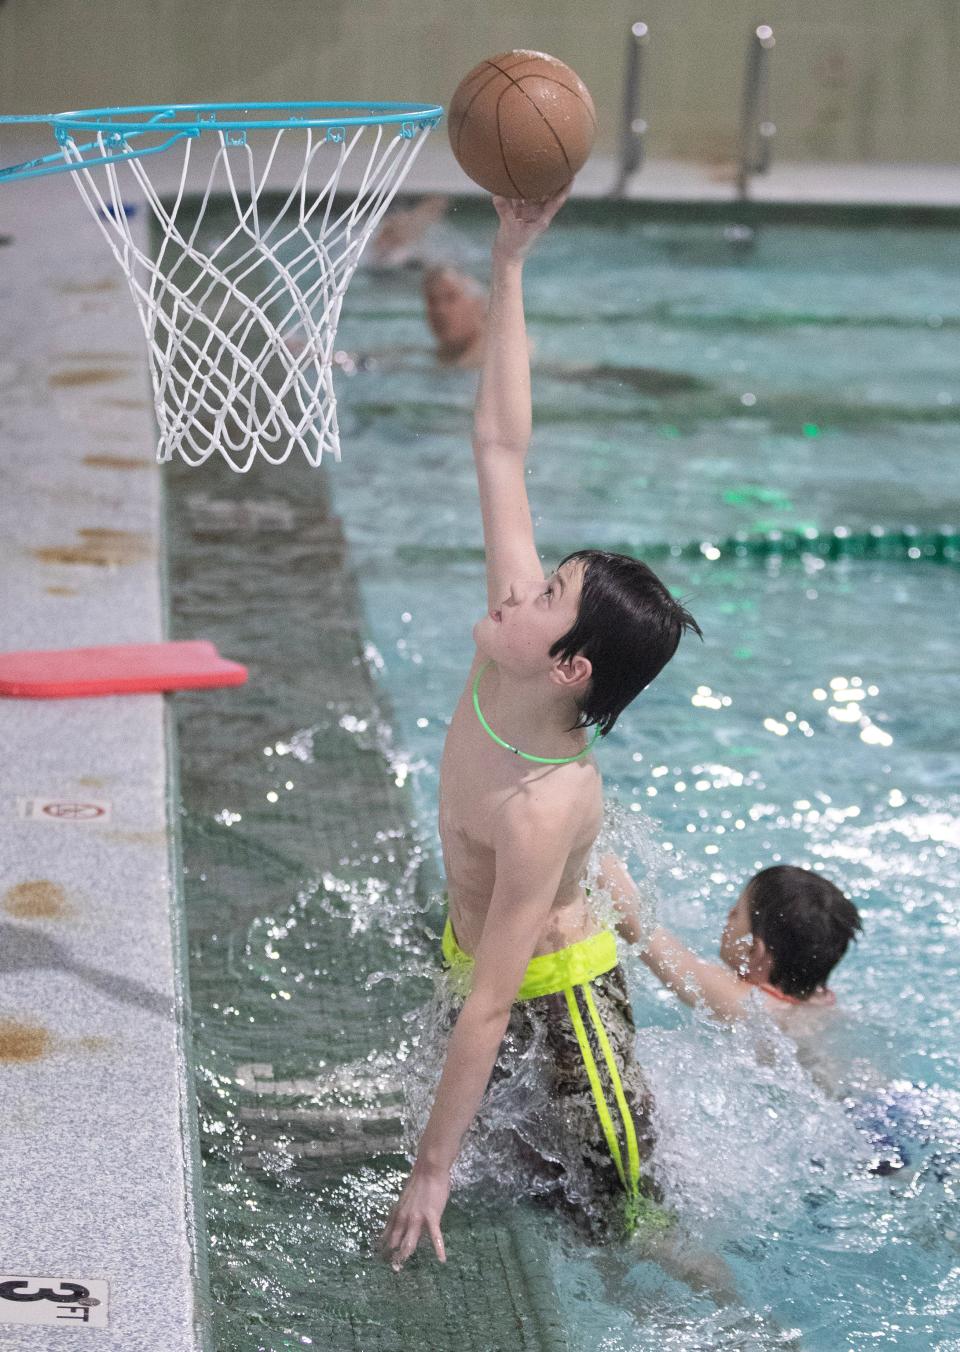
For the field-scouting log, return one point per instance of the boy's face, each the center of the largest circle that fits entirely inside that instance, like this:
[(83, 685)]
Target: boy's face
[(453, 313), (519, 633)]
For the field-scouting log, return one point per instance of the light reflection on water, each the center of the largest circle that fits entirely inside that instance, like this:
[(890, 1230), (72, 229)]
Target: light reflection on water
[(814, 725)]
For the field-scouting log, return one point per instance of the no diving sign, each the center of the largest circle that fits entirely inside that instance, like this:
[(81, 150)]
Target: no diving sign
[(65, 809), (69, 1302)]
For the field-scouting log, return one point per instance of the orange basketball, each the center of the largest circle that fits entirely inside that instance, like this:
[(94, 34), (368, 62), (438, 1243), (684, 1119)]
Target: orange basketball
[(522, 124)]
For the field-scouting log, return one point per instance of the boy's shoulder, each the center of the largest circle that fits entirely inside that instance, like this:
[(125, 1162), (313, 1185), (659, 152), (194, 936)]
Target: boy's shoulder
[(792, 1014), (549, 802), (558, 810)]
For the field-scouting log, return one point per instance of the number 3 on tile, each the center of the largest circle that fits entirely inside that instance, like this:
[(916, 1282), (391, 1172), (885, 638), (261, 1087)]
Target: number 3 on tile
[(73, 1293), (52, 1300)]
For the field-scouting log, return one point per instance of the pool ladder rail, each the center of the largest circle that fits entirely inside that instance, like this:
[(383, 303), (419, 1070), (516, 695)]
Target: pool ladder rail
[(633, 127), (755, 146), (755, 141), (756, 130)]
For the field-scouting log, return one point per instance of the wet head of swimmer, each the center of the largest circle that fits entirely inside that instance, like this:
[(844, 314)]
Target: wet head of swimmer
[(788, 929), (456, 311), (599, 629)]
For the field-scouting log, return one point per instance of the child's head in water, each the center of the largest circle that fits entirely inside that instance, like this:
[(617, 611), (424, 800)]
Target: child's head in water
[(599, 628), (456, 312), (788, 929)]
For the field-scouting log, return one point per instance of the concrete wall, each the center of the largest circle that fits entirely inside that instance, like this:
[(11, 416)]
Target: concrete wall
[(852, 79)]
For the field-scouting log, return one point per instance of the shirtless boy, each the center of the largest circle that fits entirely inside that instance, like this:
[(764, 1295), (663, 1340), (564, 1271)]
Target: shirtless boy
[(558, 659)]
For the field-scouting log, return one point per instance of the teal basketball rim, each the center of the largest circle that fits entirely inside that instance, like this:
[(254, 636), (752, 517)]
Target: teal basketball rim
[(116, 128), (240, 322)]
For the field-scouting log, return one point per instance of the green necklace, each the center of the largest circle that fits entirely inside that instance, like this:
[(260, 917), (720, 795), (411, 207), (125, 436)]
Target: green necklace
[(539, 760)]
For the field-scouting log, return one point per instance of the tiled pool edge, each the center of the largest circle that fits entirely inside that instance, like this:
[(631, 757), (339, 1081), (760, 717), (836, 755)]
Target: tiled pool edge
[(758, 211), (194, 1213), (194, 1218)]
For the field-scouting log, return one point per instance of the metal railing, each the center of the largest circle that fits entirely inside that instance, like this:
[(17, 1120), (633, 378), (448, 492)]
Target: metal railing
[(755, 146), (633, 127), (756, 132)]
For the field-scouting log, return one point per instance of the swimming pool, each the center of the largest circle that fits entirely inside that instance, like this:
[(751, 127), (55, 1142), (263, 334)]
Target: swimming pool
[(813, 725)]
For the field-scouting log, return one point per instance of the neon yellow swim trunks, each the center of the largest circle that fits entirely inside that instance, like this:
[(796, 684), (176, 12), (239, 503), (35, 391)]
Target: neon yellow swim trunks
[(586, 974)]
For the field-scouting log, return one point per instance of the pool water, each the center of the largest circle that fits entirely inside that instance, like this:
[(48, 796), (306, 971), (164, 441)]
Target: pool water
[(807, 389)]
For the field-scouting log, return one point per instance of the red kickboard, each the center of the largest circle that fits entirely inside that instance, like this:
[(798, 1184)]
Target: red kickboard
[(124, 669)]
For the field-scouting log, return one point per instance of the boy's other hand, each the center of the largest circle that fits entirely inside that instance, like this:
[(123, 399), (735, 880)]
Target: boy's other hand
[(419, 1209), (523, 222)]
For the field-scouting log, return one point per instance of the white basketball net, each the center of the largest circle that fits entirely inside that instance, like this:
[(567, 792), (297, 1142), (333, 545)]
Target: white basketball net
[(241, 317)]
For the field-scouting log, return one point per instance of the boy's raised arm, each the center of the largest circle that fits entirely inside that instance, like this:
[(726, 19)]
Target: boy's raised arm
[(502, 416)]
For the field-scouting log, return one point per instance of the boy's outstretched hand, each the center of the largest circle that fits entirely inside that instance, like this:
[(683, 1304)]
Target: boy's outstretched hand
[(523, 222), (418, 1210)]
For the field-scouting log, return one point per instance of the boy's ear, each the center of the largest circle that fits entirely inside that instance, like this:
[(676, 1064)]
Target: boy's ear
[(574, 675)]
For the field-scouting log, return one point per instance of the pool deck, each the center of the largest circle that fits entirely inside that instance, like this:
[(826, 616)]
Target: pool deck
[(881, 185), (102, 1158), (100, 1135)]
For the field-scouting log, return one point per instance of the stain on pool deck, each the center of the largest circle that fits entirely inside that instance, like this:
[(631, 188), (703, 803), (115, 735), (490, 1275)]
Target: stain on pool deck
[(99, 547), (104, 461), (39, 899), (85, 375), (23, 1041), (95, 287)]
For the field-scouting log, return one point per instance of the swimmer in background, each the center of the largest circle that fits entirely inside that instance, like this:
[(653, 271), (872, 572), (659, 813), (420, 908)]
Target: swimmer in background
[(456, 310), (456, 313)]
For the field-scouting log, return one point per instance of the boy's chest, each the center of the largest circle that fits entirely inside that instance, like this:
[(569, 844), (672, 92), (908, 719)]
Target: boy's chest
[(477, 779)]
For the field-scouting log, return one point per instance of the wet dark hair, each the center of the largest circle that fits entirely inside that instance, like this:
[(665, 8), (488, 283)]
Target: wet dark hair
[(628, 626), (805, 922)]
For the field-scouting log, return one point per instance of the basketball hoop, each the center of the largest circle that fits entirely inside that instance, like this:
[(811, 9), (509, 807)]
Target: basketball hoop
[(240, 322)]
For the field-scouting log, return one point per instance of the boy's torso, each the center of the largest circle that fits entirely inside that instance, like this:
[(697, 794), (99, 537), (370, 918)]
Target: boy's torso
[(478, 780)]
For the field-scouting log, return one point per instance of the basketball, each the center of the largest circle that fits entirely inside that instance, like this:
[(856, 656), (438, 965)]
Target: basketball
[(522, 124)]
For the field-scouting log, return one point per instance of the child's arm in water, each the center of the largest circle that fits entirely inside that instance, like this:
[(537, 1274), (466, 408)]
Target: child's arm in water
[(531, 856), (634, 909), (502, 416), (695, 980)]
